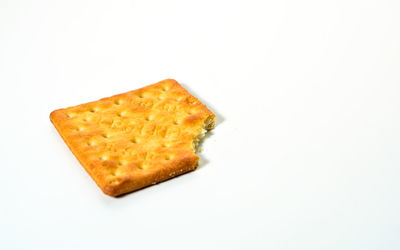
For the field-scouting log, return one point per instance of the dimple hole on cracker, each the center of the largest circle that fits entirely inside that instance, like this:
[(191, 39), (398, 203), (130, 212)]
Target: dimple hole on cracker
[(149, 118), (114, 182), (93, 110)]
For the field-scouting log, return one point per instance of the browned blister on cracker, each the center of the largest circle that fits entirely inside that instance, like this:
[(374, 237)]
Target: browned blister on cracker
[(131, 140)]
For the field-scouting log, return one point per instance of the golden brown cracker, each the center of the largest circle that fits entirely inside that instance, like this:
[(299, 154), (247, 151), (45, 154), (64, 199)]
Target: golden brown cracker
[(131, 140)]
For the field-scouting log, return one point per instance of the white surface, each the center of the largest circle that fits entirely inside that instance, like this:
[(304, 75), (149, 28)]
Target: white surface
[(305, 154)]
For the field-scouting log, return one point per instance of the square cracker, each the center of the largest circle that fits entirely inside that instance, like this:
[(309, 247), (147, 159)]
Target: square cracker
[(131, 140)]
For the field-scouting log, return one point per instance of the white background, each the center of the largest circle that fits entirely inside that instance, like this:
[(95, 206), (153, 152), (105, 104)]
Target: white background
[(306, 151)]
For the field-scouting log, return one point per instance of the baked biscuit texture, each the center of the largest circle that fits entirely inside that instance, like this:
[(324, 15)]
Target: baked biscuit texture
[(135, 139)]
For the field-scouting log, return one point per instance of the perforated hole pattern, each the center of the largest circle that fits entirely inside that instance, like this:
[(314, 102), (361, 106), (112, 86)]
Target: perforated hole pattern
[(118, 132)]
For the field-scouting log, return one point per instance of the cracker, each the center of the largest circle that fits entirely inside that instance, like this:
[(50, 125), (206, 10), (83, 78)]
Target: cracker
[(132, 140)]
